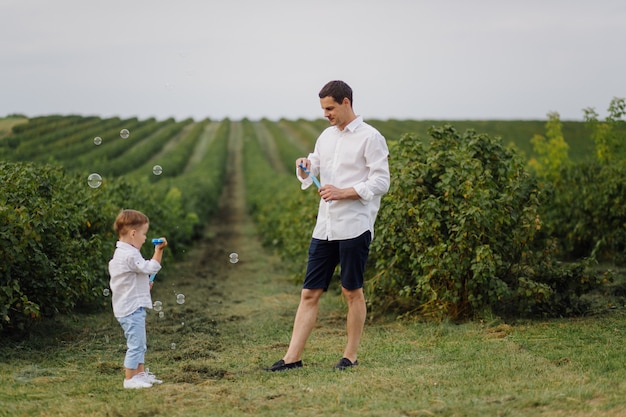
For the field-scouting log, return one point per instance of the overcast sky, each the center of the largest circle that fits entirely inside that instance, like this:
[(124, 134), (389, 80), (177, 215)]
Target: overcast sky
[(405, 59)]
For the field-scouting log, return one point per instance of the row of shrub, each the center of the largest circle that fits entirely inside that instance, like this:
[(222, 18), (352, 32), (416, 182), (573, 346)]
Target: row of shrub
[(459, 233), (465, 228), (56, 234), (586, 210), (56, 238), (285, 219)]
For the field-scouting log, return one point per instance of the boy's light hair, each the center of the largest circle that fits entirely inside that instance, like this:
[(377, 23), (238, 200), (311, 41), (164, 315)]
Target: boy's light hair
[(128, 220)]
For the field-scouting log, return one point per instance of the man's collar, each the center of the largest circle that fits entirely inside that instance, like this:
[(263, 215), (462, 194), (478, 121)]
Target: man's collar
[(353, 124)]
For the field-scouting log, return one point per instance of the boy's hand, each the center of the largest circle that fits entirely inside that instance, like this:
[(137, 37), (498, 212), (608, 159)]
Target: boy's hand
[(158, 249), (161, 245)]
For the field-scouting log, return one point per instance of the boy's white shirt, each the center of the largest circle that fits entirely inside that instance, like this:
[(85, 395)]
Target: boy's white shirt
[(130, 282)]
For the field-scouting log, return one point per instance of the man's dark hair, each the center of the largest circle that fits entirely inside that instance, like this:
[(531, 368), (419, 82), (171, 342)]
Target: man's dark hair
[(338, 90)]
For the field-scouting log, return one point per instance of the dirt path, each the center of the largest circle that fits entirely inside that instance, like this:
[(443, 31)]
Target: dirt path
[(231, 231), (224, 299)]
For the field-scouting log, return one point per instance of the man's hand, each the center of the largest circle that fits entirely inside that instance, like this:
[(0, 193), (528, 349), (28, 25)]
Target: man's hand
[(329, 193), (303, 162)]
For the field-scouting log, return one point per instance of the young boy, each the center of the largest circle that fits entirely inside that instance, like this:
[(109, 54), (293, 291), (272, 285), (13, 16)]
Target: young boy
[(130, 289)]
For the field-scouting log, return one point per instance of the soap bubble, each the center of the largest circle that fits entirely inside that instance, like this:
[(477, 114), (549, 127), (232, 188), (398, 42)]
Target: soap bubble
[(161, 314), (157, 170), (180, 299), (234, 258), (97, 140), (94, 180), (106, 292), (173, 346), (157, 306), (124, 133)]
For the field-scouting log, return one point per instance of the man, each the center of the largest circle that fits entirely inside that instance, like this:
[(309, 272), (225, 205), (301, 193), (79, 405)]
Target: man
[(351, 158)]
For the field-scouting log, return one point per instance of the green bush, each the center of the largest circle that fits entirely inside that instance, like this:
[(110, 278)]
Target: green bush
[(456, 234), (587, 207), (56, 237), (48, 247)]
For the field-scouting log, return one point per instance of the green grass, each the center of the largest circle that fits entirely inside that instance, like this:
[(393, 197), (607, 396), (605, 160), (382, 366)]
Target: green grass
[(237, 319)]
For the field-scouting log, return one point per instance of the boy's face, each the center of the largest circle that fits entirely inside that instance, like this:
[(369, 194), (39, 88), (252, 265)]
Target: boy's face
[(137, 237)]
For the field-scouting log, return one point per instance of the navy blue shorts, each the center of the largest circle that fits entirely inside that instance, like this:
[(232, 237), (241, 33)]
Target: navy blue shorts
[(325, 255)]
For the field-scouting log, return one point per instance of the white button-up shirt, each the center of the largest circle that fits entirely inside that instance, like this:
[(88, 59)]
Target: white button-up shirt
[(354, 157), (130, 282)]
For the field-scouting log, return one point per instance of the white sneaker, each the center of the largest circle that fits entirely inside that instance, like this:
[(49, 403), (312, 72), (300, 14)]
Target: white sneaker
[(150, 378), (136, 382)]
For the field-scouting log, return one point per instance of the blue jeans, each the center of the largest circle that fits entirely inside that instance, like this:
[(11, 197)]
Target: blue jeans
[(134, 326)]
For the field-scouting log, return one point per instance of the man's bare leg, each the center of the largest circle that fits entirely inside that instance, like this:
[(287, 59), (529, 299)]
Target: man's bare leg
[(357, 311), (303, 323)]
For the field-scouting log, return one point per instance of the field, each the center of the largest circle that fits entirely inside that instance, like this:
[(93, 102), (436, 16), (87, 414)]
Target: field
[(237, 318)]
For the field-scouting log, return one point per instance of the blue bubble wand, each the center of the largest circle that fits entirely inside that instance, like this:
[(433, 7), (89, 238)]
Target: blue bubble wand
[(315, 180), (155, 242)]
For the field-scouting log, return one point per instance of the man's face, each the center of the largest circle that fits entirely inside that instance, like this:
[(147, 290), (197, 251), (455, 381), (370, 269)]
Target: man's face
[(336, 113)]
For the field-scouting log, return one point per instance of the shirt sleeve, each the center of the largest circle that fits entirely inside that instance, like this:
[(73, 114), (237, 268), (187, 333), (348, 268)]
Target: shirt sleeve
[(144, 266), (315, 166), (377, 162), (304, 182)]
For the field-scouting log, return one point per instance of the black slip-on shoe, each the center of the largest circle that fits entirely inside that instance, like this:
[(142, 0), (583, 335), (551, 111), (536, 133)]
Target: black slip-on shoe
[(282, 366), (345, 363)]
